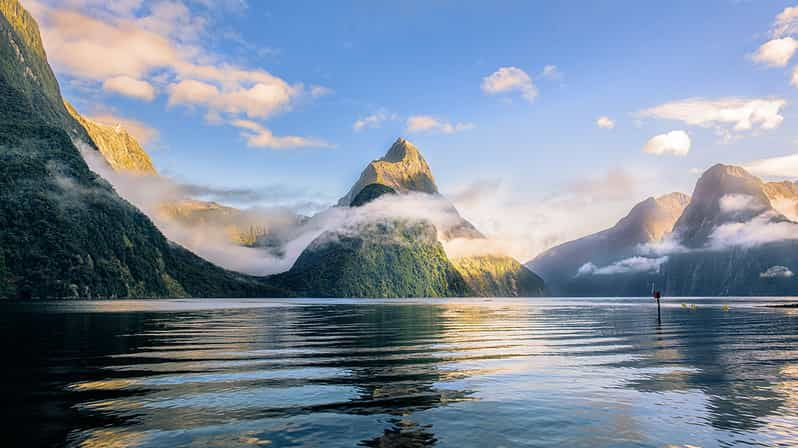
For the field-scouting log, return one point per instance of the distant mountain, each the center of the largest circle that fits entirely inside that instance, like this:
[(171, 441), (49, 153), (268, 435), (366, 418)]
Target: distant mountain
[(66, 233), (730, 239), (784, 198), (398, 258), (736, 242), (649, 221)]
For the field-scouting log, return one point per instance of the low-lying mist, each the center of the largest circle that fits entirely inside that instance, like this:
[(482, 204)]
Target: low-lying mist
[(282, 233)]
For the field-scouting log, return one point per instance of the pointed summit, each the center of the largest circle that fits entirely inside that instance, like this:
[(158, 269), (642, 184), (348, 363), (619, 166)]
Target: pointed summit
[(705, 211), (402, 169)]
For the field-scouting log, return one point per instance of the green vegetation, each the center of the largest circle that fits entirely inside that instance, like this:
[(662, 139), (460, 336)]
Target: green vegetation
[(498, 276), (65, 232), (391, 259)]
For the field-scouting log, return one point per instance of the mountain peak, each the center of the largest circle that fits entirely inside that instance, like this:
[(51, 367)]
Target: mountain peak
[(400, 150), (402, 168), (705, 211)]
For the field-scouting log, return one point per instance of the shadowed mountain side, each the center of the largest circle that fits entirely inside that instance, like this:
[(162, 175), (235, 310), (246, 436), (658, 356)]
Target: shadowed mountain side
[(729, 240), (66, 233), (369, 193), (706, 209), (648, 221)]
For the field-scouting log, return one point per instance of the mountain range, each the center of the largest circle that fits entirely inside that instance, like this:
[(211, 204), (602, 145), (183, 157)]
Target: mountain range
[(733, 236), (70, 231)]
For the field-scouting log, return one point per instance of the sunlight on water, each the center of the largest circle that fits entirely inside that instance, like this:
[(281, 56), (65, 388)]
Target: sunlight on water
[(571, 372)]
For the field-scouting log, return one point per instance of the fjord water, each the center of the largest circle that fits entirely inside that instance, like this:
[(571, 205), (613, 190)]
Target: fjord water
[(536, 372)]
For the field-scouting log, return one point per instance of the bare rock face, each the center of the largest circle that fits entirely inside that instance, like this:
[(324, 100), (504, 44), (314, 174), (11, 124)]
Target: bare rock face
[(402, 168), (784, 198), (119, 148), (719, 185)]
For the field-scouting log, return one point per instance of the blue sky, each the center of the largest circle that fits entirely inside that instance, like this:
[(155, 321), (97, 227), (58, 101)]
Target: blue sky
[(514, 162)]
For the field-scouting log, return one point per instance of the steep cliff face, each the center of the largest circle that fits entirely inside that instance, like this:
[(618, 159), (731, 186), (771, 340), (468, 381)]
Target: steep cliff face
[(119, 148), (723, 194), (24, 68), (66, 233), (784, 198), (649, 221)]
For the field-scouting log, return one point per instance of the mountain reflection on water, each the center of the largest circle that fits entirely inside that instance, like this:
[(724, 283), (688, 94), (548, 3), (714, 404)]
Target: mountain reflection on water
[(537, 372)]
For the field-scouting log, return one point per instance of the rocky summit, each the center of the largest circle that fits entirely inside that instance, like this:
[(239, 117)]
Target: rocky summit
[(402, 169)]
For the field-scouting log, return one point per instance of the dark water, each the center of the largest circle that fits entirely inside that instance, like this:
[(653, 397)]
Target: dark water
[(572, 373)]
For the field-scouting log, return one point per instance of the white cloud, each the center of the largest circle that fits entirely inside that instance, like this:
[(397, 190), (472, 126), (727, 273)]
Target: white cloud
[(782, 166), (674, 142), (776, 52), (139, 48), (374, 120), (734, 203), (605, 122), (786, 22), (259, 101), (726, 115), (259, 137), (132, 87), (777, 272), (763, 229), (426, 123), (625, 266), (510, 79)]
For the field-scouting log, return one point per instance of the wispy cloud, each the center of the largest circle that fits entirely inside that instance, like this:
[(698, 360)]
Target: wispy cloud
[(729, 117), (259, 137), (625, 266), (131, 87), (426, 123), (777, 272), (781, 166), (374, 120)]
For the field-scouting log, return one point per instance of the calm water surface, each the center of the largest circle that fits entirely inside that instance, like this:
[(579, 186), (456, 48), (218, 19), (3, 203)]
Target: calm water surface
[(537, 372)]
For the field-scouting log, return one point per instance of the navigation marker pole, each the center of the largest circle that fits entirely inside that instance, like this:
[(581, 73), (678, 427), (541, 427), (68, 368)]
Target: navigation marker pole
[(657, 295)]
